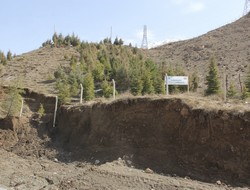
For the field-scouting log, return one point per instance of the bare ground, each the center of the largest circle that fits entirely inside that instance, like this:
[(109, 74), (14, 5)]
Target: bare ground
[(41, 173)]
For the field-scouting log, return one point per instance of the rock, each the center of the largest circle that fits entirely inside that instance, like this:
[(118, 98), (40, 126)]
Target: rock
[(218, 182), (97, 162), (149, 171), (55, 159)]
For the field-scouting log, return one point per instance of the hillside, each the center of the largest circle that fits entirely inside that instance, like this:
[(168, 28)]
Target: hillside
[(60, 66), (229, 44), (36, 68)]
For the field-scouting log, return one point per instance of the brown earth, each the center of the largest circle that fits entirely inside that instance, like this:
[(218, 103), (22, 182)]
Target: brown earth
[(138, 143), (229, 44)]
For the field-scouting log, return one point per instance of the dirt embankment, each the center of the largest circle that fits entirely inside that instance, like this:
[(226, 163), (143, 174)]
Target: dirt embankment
[(166, 135)]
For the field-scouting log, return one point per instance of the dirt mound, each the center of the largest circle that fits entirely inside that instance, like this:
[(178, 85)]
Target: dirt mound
[(229, 44), (167, 135)]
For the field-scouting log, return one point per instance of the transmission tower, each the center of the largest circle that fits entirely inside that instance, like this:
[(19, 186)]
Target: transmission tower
[(246, 7), (144, 44)]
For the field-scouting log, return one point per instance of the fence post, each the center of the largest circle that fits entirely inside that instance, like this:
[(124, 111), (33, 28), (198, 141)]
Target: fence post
[(113, 88), (81, 93), (54, 121), (166, 83)]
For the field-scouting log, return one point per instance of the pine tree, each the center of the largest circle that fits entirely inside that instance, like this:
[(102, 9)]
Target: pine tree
[(194, 82), (159, 84), (3, 59), (245, 94), (107, 89), (136, 84), (9, 55), (231, 92), (88, 87), (41, 110), (116, 42), (212, 79), (247, 82), (64, 92), (148, 87), (13, 100), (55, 39)]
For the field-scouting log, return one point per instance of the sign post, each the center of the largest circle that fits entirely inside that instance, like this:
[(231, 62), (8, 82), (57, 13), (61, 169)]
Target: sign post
[(176, 80)]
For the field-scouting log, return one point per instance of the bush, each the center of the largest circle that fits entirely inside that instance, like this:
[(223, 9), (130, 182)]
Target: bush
[(41, 110)]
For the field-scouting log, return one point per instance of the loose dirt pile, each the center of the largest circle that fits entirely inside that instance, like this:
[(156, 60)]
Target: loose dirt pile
[(141, 143)]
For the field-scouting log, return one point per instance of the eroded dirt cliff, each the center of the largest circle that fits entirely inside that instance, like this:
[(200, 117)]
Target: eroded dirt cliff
[(166, 135)]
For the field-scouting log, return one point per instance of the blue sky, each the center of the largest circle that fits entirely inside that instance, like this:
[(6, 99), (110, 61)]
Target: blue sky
[(26, 24)]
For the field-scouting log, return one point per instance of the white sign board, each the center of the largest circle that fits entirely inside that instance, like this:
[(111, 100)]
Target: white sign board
[(176, 80)]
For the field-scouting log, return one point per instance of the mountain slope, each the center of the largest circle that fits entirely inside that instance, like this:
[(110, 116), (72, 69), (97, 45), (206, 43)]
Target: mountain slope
[(229, 44), (36, 69)]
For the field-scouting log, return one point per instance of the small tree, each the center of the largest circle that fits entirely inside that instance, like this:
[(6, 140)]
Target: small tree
[(247, 82), (88, 87), (41, 110), (212, 79), (116, 42), (2, 58), (244, 94), (13, 100), (63, 91), (194, 82), (159, 84), (55, 39), (231, 93), (9, 55), (148, 87), (136, 85), (107, 89)]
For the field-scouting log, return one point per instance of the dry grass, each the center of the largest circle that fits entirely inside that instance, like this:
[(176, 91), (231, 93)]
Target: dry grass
[(193, 100)]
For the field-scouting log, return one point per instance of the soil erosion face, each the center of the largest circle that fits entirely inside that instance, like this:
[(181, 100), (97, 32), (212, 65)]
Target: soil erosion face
[(166, 135)]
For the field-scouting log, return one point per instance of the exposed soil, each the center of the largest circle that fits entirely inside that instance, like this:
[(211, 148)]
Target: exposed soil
[(140, 143)]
